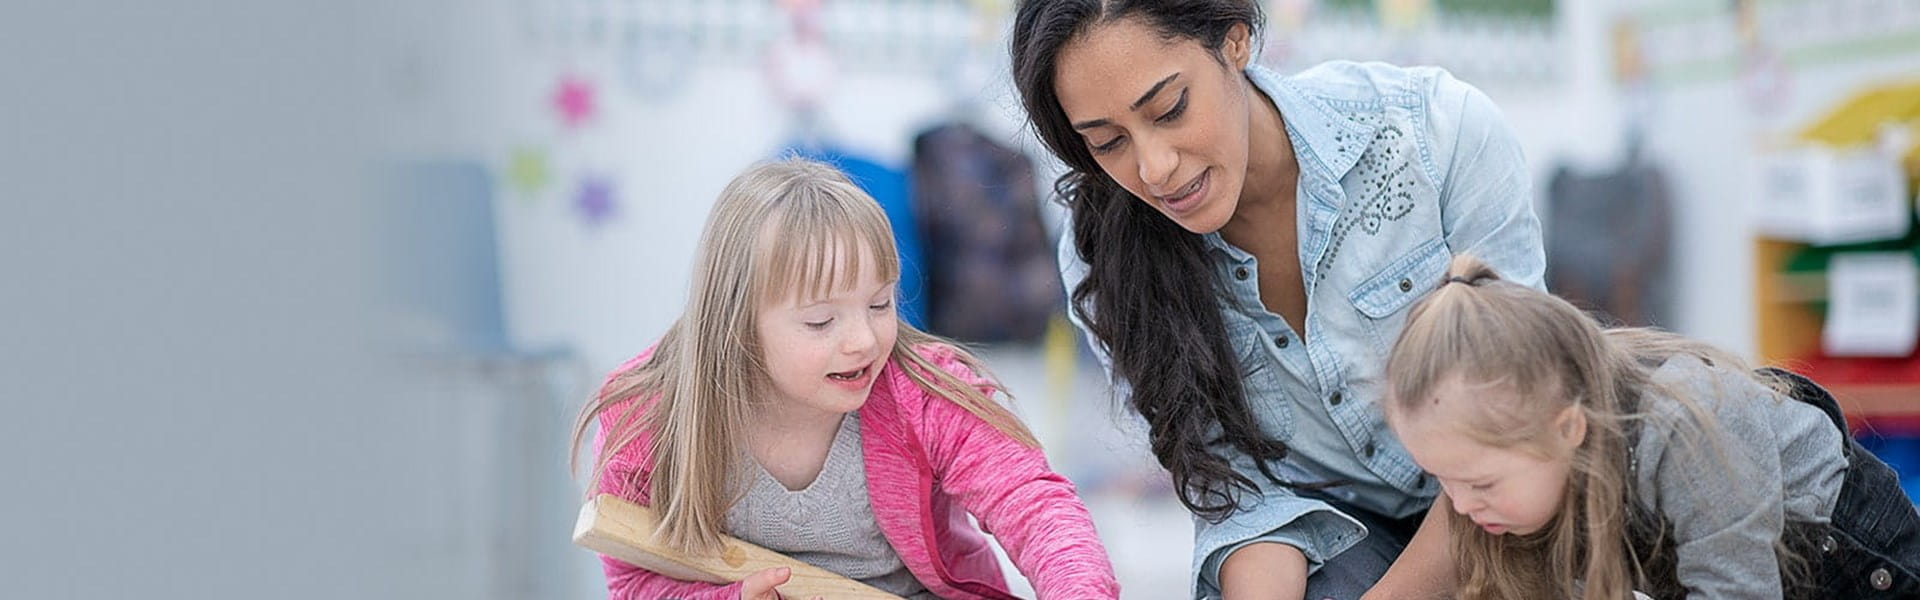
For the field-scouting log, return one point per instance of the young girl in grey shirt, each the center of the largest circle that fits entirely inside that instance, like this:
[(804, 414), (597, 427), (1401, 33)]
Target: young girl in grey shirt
[(1578, 461)]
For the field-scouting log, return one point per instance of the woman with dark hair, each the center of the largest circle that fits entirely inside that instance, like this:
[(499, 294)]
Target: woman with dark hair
[(1243, 248)]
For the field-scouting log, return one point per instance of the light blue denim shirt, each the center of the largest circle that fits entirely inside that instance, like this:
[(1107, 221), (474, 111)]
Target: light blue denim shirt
[(1400, 169)]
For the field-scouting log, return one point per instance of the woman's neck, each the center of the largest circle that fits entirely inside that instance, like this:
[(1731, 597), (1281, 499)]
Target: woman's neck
[(1273, 173)]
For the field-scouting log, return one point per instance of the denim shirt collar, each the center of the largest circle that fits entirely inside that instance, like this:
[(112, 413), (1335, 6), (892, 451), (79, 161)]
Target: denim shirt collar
[(1326, 143), (1324, 138)]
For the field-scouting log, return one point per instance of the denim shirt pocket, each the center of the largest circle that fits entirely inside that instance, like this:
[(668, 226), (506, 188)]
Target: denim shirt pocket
[(1384, 297)]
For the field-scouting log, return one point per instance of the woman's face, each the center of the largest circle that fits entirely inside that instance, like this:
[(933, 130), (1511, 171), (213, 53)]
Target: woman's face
[(1163, 117)]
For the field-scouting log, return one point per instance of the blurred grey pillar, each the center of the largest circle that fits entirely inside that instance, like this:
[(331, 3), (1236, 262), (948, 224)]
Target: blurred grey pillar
[(200, 393), (501, 505)]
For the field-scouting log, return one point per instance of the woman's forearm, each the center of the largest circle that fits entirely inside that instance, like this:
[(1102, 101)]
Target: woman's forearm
[(1266, 570)]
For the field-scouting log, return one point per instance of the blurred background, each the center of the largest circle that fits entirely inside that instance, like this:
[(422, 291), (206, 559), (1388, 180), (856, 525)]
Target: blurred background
[(300, 299)]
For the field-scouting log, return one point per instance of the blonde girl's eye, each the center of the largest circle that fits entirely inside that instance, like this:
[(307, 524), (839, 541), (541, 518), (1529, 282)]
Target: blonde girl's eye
[(882, 307), (818, 325)]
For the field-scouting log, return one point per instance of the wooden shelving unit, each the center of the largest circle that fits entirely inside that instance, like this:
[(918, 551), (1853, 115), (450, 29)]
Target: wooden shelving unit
[(1786, 325), (1789, 331)]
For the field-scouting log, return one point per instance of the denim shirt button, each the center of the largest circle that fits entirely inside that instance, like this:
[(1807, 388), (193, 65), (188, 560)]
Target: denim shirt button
[(1880, 579), (1240, 273), (1280, 340), (1406, 285), (1335, 400), (1368, 450)]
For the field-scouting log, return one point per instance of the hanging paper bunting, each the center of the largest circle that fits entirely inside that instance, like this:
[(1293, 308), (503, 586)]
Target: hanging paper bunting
[(1765, 77), (1289, 16), (653, 61), (573, 100), (1403, 15), (595, 201), (1285, 20), (1629, 53)]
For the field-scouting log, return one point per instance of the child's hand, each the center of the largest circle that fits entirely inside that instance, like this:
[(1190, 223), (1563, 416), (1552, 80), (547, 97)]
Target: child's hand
[(759, 586)]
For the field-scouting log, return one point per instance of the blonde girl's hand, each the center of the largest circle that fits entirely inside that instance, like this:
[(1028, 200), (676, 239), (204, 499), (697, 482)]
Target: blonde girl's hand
[(759, 585)]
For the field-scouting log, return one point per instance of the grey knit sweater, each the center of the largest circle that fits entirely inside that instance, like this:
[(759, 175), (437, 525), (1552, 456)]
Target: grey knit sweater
[(829, 524)]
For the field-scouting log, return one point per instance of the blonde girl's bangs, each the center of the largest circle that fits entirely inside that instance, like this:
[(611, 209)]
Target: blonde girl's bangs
[(822, 237)]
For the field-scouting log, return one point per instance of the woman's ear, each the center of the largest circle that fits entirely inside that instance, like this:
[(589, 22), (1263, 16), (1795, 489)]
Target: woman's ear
[(1238, 47)]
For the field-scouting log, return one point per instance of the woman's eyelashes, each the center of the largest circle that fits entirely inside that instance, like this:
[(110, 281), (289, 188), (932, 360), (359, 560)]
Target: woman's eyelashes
[(1173, 114), (1166, 118)]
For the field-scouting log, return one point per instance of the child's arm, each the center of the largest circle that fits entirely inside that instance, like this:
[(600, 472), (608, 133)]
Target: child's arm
[(1033, 512), (1424, 569), (623, 530), (625, 581), (628, 582), (1719, 484)]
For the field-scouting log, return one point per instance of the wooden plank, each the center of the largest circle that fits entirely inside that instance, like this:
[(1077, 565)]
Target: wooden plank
[(615, 527)]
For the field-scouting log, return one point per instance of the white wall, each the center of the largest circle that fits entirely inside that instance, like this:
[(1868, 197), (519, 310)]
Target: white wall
[(610, 292)]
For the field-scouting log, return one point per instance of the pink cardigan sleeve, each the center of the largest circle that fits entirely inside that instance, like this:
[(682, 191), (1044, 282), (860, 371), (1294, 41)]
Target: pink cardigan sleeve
[(1034, 512), (625, 476)]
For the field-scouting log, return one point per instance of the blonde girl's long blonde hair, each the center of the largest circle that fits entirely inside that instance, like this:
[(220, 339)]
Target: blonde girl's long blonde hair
[(1551, 355), (772, 235)]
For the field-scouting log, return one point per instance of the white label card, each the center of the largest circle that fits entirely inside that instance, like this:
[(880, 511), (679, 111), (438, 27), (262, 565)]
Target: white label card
[(1873, 305)]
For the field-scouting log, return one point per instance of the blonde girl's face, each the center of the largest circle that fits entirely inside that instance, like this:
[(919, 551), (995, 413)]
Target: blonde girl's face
[(824, 353), (1514, 490)]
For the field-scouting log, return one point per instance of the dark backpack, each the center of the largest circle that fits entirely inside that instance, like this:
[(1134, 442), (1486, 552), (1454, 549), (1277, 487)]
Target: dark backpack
[(990, 269)]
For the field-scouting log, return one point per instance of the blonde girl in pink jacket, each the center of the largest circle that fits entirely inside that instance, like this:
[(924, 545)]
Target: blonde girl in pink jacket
[(789, 381)]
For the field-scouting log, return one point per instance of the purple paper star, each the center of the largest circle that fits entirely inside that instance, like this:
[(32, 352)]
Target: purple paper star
[(595, 201)]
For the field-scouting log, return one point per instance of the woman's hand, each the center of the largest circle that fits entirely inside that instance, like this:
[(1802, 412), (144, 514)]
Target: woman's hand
[(1264, 570)]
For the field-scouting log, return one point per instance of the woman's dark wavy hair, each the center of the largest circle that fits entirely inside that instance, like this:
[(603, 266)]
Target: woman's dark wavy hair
[(1150, 295)]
